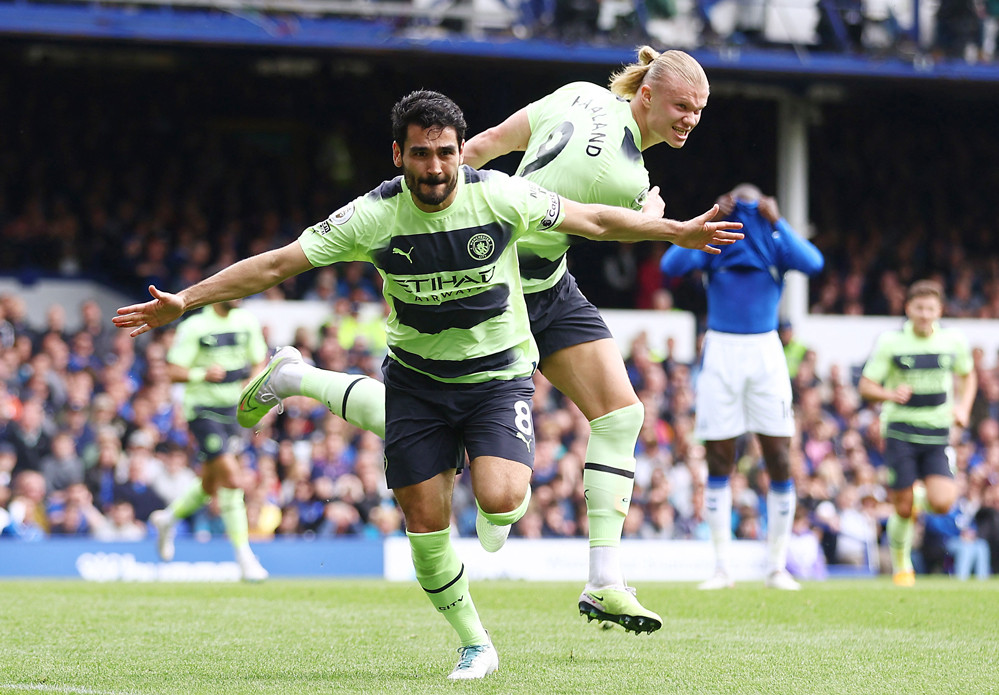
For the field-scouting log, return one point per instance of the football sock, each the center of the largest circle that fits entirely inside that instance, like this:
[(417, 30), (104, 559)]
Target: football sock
[(507, 518), (233, 511), (190, 501), (718, 512), (608, 482), (919, 501), (900, 533), (443, 578), (358, 399), (781, 501)]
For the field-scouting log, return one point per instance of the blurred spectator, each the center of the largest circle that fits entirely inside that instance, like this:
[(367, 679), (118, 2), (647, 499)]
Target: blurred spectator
[(76, 514), (263, 516), (176, 476), (62, 467), (794, 349), (383, 521), (30, 436), (136, 490), (26, 517), (805, 559), (987, 521), (951, 543), (120, 524)]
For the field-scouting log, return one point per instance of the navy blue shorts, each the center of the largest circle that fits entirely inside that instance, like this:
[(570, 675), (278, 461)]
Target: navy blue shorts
[(429, 425), (908, 462), (216, 432), (562, 317)]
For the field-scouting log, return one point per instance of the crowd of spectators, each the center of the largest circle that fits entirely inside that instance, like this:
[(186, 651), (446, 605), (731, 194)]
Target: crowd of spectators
[(92, 441), (187, 175), (946, 29)]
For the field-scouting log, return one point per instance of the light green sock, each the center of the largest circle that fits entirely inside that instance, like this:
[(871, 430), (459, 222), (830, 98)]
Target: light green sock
[(443, 578), (358, 399), (193, 499), (609, 473), (234, 517), (507, 518), (900, 542), (919, 501)]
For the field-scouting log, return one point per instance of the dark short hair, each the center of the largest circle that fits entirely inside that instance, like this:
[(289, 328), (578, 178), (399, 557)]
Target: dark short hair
[(426, 109), (925, 288)]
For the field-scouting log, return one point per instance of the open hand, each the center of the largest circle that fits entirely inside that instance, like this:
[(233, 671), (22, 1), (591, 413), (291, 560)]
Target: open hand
[(699, 232), (159, 311)]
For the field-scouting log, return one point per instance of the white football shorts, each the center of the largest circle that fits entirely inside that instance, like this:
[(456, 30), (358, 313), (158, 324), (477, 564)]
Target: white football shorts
[(743, 386)]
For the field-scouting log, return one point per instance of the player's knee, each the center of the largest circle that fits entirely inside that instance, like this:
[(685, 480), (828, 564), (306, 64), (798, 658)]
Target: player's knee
[(504, 507), (627, 420), (501, 502), (941, 503)]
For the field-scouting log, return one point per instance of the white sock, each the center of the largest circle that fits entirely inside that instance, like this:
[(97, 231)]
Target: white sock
[(718, 510), (605, 566), (287, 378), (781, 501)]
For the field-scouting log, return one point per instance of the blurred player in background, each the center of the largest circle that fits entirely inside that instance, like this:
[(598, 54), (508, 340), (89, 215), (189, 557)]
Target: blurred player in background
[(584, 142), (911, 371), (744, 384), (213, 354)]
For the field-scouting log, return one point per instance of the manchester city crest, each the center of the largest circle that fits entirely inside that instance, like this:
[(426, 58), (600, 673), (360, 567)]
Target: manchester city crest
[(481, 246)]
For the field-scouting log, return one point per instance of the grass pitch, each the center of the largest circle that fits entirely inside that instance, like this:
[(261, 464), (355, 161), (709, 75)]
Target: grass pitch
[(301, 637)]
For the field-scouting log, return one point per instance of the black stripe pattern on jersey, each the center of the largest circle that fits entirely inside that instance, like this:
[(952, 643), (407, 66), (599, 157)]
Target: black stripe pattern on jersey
[(903, 428), (455, 369), (438, 253), (214, 340), (535, 267), (927, 361), (387, 189), (464, 312), (629, 147), (924, 400)]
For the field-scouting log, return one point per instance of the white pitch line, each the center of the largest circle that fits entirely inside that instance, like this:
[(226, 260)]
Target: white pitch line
[(69, 689)]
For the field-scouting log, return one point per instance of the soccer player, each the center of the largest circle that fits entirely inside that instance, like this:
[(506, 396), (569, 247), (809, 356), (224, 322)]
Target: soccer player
[(583, 142), (744, 384), (214, 352), (461, 355), (911, 371)]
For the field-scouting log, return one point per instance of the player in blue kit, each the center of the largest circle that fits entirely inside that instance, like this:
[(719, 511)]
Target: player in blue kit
[(461, 355), (584, 142), (744, 384)]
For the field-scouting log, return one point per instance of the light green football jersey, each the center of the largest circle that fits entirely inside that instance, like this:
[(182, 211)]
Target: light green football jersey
[(234, 342), (927, 365), (586, 146), (451, 279)]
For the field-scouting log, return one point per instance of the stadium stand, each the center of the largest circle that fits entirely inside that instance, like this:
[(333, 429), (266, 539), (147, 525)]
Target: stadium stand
[(130, 164)]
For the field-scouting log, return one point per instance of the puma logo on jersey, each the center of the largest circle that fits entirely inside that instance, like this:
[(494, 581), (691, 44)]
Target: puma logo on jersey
[(520, 435), (407, 254)]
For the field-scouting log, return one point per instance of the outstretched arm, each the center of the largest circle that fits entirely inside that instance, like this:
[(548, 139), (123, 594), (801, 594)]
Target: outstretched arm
[(249, 276), (509, 136), (608, 223)]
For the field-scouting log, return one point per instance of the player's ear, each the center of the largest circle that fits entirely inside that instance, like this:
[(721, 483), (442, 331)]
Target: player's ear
[(461, 153), (396, 154)]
